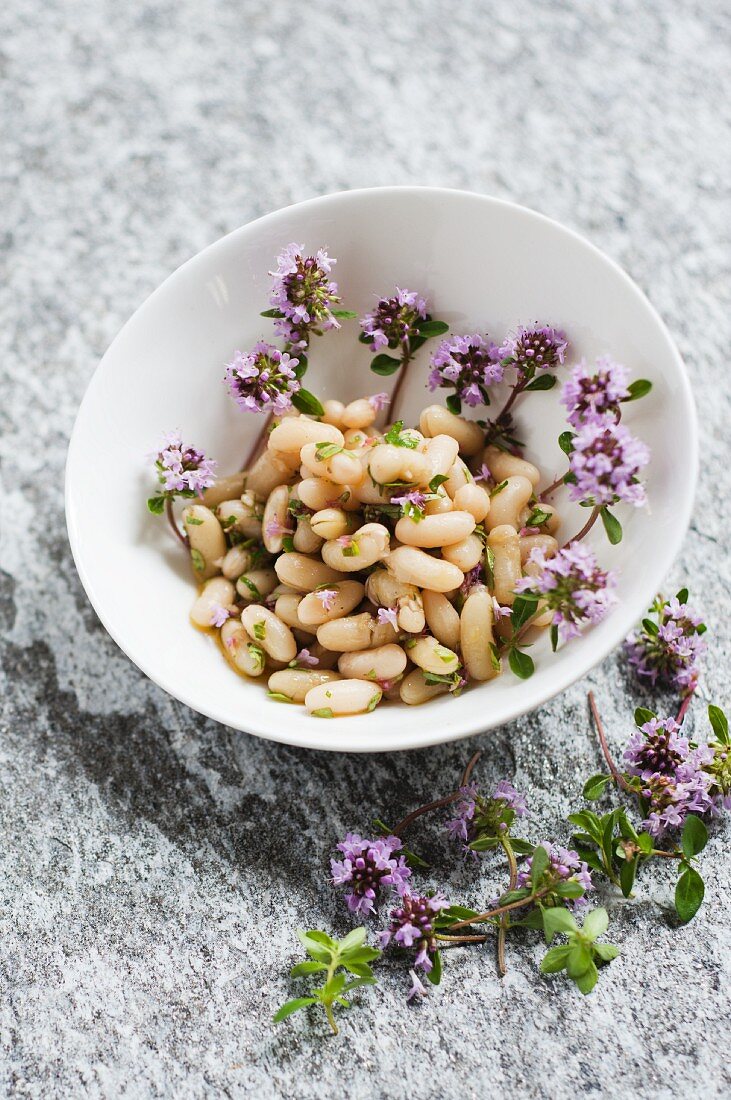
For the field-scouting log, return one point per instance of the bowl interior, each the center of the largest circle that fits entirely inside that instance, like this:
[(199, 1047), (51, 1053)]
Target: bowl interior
[(484, 265)]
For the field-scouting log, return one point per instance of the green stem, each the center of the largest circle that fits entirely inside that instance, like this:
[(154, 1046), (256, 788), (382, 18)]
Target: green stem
[(331, 1018), (490, 913), (328, 1004), (513, 865)]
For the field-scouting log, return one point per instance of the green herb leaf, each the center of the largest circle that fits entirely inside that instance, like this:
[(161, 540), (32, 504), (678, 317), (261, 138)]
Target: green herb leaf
[(554, 637), (344, 314), (627, 874), (435, 974), (639, 388), (498, 488), (719, 724), (612, 526), (384, 365), (651, 627), (694, 836), (436, 481), (400, 438), (293, 1006), (156, 505), (570, 889), (309, 967), (541, 382), (524, 607), (642, 715), (538, 517), (199, 562), (557, 920), (606, 951), (596, 923), (645, 843), (454, 404), (539, 865), (682, 595), (306, 402), (689, 893), (520, 663), (279, 697), (324, 451), (432, 328), (323, 712), (566, 442), (586, 981), (555, 960), (594, 787), (354, 939), (271, 313), (254, 594)]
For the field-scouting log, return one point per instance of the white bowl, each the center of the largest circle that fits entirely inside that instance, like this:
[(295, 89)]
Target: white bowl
[(485, 265)]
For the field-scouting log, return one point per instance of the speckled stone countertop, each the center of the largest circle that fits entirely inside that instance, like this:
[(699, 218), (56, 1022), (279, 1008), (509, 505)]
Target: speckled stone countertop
[(155, 864)]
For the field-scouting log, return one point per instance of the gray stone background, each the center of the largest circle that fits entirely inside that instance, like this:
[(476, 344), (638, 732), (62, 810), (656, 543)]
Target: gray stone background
[(155, 864)]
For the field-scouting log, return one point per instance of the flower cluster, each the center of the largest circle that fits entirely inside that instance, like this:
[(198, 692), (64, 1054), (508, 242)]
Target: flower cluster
[(469, 365), (367, 866), (480, 822), (412, 925), (572, 585), (181, 471), (604, 463), (670, 648), (591, 395), (264, 380), (564, 865), (303, 295), (394, 321), (541, 347), (671, 774), (411, 503)]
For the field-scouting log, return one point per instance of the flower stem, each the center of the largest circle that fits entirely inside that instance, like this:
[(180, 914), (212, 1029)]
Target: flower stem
[(436, 805), (490, 913), (331, 1018), (586, 528), (666, 855), (551, 488), (514, 394), (258, 444), (460, 939), (468, 770), (513, 864), (616, 775), (173, 525), (684, 707), (395, 397)]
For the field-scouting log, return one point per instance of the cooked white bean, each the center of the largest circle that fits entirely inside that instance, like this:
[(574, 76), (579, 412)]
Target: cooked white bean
[(388, 463), (474, 499), (413, 566), (383, 590), (326, 658), (304, 573), (359, 414), (236, 561), (318, 493), (529, 543), (276, 521), (294, 432), (432, 656), (442, 452), (322, 460), (296, 682), (355, 439), (273, 636), (216, 593), (332, 523), (505, 545), (465, 554), (287, 609), (459, 476), (256, 584), (502, 465), (305, 540), (551, 525), (330, 603), (224, 488), (333, 413), (245, 655), (476, 637), (351, 553), (369, 493), (386, 662), (415, 690), (342, 697), (439, 503), (441, 618), (507, 504), (206, 538), (436, 420), (382, 634), (270, 469), (347, 634), (433, 531), (242, 515)]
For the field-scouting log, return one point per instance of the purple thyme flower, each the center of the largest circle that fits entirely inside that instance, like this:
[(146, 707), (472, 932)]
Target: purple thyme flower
[(219, 614), (412, 925), (484, 474), (472, 577), (604, 464), (304, 657), (379, 401), (656, 747), (327, 597), (368, 866), (673, 774), (671, 651), (500, 612), (393, 323), (564, 864), (264, 380), (388, 615), (507, 792), (274, 529), (540, 347), (479, 817), (467, 364), (417, 990), (412, 503), (573, 586), (303, 293), (183, 469), (588, 395)]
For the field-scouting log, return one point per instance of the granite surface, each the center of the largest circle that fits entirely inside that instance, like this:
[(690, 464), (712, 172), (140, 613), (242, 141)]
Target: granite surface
[(154, 864)]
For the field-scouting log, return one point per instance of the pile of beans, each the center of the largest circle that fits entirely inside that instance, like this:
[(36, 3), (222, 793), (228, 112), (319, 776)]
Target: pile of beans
[(314, 514)]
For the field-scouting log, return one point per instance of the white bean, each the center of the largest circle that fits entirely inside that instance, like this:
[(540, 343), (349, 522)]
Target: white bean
[(476, 637), (441, 617), (529, 543), (224, 488), (287, 609), (474, 499), (507, 504), (304, 573), (318, 493), (243, 516), (459, 476), (296, 682), (333, 413), (305, 540), (432, 656), (246, 656), (322, 460), (295, 432), (332, 523), (256, 584), (413, 566), (369, 544), (465, 554), (359, 414), (383, 590), (433, 531), (273, 636), (206, 538), (415, 690), (270, 469), (276, 521), (501, 465), (505, 545), (442, 452), (343, 597), (215, 593), (436, 420), (388, 463), (386, 662), (236, 561), (342, 697), (347, 634), (439, 503)]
